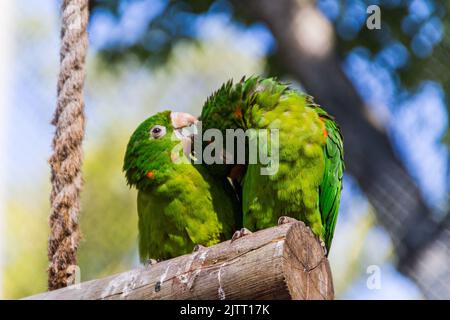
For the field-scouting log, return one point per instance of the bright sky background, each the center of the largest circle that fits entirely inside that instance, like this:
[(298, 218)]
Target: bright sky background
[(6, 58)]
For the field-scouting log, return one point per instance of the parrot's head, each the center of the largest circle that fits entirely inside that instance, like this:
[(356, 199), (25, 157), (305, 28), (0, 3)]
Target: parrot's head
[(156, 146)]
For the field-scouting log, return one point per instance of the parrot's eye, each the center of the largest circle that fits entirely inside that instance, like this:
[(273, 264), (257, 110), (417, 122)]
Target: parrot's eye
[(157, 131)]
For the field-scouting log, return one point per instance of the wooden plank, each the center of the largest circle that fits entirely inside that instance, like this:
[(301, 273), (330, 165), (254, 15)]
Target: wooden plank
[(283, 262)]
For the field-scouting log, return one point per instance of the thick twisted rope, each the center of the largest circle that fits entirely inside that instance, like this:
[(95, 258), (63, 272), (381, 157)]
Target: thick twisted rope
[(66, 160)]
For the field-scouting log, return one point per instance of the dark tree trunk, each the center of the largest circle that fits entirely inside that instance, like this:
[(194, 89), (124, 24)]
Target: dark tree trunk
[(305, 48)]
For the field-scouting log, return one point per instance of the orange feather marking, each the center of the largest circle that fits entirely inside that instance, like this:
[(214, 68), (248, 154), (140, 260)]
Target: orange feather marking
[(238, 112), (324, 129)]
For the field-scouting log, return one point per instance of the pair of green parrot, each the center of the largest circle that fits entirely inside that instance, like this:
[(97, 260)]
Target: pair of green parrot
[(182, 204)]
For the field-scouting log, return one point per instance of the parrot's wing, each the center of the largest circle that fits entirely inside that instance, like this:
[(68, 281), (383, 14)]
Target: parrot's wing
[(330, 188)]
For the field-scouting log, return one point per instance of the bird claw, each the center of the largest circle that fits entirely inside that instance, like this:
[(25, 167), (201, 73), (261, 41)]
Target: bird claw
[(198, 247), (286, 219), (240, 233), (150, 262), (324, 247)]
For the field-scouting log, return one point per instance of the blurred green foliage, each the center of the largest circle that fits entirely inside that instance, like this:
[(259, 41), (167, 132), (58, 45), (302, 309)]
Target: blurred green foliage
[(403, 25), (415, 28), (400, 24), (25, 255), (108, 219)]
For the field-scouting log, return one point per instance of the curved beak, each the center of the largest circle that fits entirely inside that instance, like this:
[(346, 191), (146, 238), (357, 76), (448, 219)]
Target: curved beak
[(184, 129)]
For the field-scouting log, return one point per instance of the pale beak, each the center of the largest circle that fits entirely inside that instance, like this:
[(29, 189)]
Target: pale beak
[(184, 129), (181, 120)]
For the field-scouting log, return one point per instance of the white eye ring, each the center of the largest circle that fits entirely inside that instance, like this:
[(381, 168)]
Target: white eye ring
[(157, 132)]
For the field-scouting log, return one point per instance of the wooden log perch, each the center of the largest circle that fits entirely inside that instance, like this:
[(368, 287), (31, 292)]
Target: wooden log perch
[(283, 262)]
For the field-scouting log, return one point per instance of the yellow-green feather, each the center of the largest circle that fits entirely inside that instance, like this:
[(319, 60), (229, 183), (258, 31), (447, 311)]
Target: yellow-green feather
[(187, 209)]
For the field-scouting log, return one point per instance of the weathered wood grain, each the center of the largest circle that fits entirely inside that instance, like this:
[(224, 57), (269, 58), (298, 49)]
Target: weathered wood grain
[(283, 262)]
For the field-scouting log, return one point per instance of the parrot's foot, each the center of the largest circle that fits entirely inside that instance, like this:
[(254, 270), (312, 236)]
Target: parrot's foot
[(286, 219), (240, 233), (150, 262), (198, 247)]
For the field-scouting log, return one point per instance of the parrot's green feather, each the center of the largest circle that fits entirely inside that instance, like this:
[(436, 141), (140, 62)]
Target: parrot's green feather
[(330, 188), (308, 182), (179, 204)]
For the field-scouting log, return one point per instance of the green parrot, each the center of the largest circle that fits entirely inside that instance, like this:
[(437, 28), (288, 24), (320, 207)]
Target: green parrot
[(308, 180), (180, 205)]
